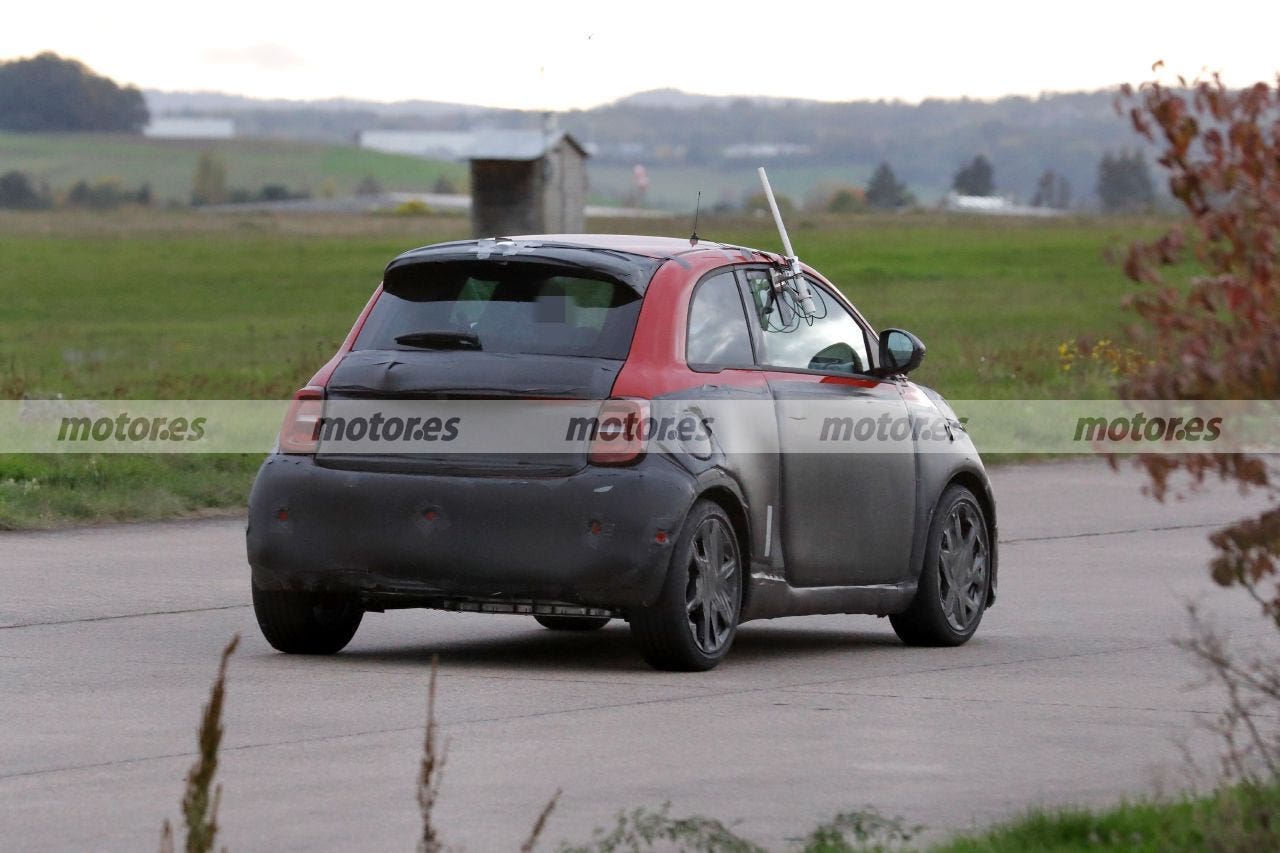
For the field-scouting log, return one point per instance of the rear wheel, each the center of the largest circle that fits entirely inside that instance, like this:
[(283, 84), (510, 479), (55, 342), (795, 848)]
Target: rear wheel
[(952, 594), (692, 624), (572, 623), (304, 623)]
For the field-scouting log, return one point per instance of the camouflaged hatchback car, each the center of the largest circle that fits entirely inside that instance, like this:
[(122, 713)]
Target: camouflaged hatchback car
[(683, 542)]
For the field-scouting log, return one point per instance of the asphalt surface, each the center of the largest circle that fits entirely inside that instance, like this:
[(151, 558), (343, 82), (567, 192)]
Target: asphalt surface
[(1071, 692)]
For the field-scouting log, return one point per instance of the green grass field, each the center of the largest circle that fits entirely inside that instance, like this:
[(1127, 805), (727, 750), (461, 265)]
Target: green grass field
[(189, 306), (169, 165)]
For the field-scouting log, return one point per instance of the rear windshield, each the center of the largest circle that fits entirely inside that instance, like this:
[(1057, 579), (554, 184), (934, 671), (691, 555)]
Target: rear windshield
[(505, 308)]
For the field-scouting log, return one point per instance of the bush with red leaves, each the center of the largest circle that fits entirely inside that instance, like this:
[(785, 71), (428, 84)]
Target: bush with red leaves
[(1219, 339)]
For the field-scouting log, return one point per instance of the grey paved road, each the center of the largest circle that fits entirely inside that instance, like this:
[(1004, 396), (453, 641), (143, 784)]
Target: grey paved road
[(1070, 693)]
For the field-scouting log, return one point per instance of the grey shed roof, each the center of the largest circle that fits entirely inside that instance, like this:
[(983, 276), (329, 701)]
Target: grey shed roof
[(517, 144)]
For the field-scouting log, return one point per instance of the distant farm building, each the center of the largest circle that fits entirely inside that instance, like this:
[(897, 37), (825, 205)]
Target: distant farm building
[(991, 205), (183, 127), (527, 182), (432, 144), (765, 150)]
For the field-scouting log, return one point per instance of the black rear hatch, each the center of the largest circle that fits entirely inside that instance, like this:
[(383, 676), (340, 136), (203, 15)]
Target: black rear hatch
[(532, 326)]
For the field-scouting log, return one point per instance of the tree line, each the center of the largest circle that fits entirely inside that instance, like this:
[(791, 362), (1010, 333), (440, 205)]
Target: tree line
[(47, 93), (1123, 185)]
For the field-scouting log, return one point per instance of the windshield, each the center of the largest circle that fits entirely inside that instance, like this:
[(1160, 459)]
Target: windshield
[(508, 307)]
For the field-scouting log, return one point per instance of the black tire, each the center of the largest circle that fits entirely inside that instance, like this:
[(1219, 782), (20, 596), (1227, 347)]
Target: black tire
[(302, 623), (956, 580), (572, 623), (685, 630)]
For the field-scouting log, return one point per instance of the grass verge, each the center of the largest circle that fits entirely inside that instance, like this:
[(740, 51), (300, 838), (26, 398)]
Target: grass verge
[(1242, 817), (39, 492)]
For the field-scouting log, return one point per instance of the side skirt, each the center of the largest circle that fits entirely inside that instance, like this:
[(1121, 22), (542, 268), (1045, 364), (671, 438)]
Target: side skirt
[(772, 597)]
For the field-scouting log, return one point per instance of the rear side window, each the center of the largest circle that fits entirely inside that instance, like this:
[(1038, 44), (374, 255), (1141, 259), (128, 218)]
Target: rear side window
[(718, 335), (505, 308)]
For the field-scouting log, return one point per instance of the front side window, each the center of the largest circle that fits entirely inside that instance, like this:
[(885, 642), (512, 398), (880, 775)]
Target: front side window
[(832, 342), (718, 334)]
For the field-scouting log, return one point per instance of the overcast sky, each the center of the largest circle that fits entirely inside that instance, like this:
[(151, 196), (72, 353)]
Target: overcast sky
[(556, 55)]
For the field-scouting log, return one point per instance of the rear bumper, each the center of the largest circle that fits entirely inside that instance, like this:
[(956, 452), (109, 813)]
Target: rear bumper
[(588, 539)]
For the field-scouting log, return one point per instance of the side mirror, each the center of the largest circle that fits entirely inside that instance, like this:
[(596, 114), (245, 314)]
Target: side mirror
[(900, 352)]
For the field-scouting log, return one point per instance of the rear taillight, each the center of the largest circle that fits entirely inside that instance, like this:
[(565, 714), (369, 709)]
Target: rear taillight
[(300, 432), (619, 437)]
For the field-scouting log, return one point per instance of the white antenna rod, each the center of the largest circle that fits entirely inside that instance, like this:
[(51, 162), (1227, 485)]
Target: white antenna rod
[(797, 274), (777, 215)]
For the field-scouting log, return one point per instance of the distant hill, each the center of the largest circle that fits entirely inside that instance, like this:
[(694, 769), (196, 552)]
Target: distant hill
[(925, 143), (717, 141), (180, 102), (679, 100)]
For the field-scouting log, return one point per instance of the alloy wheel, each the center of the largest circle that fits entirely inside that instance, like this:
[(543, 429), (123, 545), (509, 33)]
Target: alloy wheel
[(962, 566), (714, 589)]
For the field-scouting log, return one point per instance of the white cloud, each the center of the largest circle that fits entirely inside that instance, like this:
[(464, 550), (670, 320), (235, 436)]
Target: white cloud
[(267, 56)]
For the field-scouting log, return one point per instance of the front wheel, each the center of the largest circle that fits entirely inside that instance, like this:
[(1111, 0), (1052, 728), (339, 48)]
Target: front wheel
[(691, 625), (304, 623), (956, 579)]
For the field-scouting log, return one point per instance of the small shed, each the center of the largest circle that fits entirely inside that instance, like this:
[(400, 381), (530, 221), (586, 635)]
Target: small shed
[(527, 182)]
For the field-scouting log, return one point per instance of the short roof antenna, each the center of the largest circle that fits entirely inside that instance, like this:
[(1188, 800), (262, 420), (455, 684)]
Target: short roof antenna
[(793, 262), (697, 209)]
